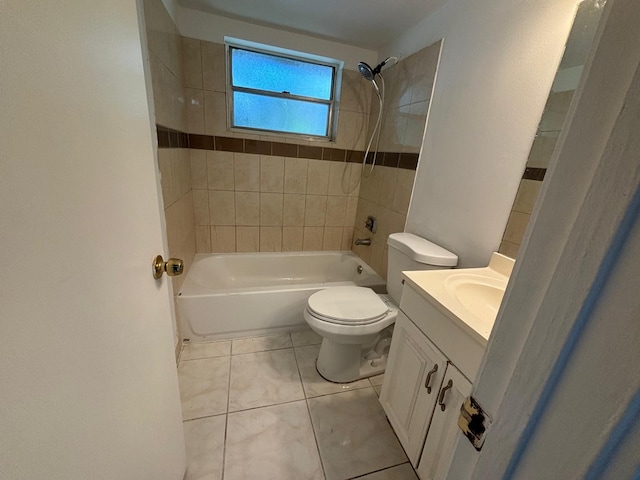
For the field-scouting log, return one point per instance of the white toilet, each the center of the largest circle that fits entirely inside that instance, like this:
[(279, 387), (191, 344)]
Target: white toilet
[(352, 320)]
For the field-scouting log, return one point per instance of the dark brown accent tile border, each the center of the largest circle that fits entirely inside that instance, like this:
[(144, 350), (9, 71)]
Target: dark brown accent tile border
[(257, 146), (334, 154), (533, 173), (307, 151), (408, 161), (201, 142), (284, 149), (230, 144), (390, 159), (169, 138)]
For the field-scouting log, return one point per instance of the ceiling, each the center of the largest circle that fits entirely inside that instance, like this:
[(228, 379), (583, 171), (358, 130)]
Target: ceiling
[(364, 23)]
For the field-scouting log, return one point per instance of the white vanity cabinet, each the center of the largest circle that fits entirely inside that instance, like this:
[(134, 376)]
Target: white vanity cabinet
[(423, 389), (438, 447), (413, 377)]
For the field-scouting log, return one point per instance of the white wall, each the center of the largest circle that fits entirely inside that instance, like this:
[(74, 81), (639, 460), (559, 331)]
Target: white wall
[(213, 28), (498, 62)]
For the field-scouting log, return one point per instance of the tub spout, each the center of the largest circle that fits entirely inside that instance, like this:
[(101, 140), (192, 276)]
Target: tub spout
[(363, 241)]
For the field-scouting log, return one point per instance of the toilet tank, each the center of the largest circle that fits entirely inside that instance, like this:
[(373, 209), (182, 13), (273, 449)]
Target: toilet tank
[(411, 252)]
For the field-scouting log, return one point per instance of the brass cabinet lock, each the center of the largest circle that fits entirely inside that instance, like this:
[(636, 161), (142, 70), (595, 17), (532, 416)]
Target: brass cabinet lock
[(173, 267)]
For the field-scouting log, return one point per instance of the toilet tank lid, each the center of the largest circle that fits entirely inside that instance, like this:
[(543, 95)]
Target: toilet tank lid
[(421, 250)]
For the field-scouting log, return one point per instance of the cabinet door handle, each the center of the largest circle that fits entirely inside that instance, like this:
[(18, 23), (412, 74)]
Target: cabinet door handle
[(442, 392), (428, 380)]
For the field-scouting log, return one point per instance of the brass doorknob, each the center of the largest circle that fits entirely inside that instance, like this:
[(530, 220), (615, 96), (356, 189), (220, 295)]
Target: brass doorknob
[(173, 267)]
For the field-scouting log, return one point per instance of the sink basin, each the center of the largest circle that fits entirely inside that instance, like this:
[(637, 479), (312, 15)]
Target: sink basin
[(480, 295), (469, 297)]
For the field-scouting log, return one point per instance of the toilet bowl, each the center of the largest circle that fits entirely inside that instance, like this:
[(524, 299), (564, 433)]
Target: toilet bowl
[(350, 319)]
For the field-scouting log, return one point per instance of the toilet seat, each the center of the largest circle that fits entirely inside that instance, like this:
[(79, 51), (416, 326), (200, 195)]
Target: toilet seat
[(347, 306)]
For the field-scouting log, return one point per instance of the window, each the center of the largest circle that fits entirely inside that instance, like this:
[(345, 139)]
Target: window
[(282, 91)]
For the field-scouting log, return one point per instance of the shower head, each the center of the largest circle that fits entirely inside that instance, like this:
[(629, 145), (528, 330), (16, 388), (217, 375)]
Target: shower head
[(370, 73), (366, 71)]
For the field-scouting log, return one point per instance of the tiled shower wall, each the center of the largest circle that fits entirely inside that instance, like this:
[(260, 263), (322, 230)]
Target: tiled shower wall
[(386, 191), (165, 58), (264, 192), (542, 149)]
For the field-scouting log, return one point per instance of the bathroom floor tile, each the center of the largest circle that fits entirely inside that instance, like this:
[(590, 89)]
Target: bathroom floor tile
[(204, 387), (260, 344), (353, 434), (378, 389), (314, 385), (401, 472), (307, 337), (273, 442), (264, 378), (194, 351), (204, 440)]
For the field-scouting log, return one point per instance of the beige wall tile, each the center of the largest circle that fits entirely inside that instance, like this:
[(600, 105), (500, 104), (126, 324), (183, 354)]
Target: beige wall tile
[(542, 149), (292, 239), (424, 72), (293, 209), (194, 104), (270, 239), (318, 177), (336, 211), (355, 179), (350, 213), (198, 169), (385, 262), (191, 63), (220, 171), (247, 172), (315, 210), (347, 238), (388, 188), (201, 206), (527, 195), (247, 239), (215, 113), (271, 174), (312, 238), (223, 239), (164, 165), (509, 249), (213, 66), (404, 188), (271, 209), (180, 170), (375, 260), (516, 227), (415, 126), (222, 210), (339, 178), (363, 251), (350, 91), (332, 239), (247, 208), (371, 184), (203, 239), (295, 175)]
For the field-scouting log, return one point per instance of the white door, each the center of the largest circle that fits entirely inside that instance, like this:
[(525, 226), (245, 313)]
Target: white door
[(88, 386), (412, 381)]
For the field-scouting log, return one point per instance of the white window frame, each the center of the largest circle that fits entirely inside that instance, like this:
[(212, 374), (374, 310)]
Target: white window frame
[(333, 102)]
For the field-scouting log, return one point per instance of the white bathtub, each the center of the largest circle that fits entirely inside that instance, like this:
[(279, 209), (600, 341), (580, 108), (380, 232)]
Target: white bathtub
[(241, 294)]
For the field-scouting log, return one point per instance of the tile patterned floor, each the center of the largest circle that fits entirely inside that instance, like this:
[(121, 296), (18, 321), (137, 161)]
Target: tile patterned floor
[(256, 408)]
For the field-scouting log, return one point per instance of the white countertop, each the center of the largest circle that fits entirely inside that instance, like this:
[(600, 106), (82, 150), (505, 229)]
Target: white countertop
[(477, 316)]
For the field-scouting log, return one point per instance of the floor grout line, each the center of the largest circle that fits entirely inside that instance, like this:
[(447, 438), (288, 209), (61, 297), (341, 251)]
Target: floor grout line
[(313, 429), (380, 470)]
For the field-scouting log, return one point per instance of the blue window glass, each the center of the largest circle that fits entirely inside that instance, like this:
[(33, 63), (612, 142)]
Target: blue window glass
[(280, 114), (278, 93)]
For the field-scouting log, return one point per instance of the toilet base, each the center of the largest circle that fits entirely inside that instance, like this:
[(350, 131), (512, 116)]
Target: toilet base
[(340, 363)]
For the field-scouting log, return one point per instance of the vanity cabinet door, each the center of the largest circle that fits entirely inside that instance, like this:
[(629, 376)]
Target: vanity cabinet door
[(411, 384), (438, 448)]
